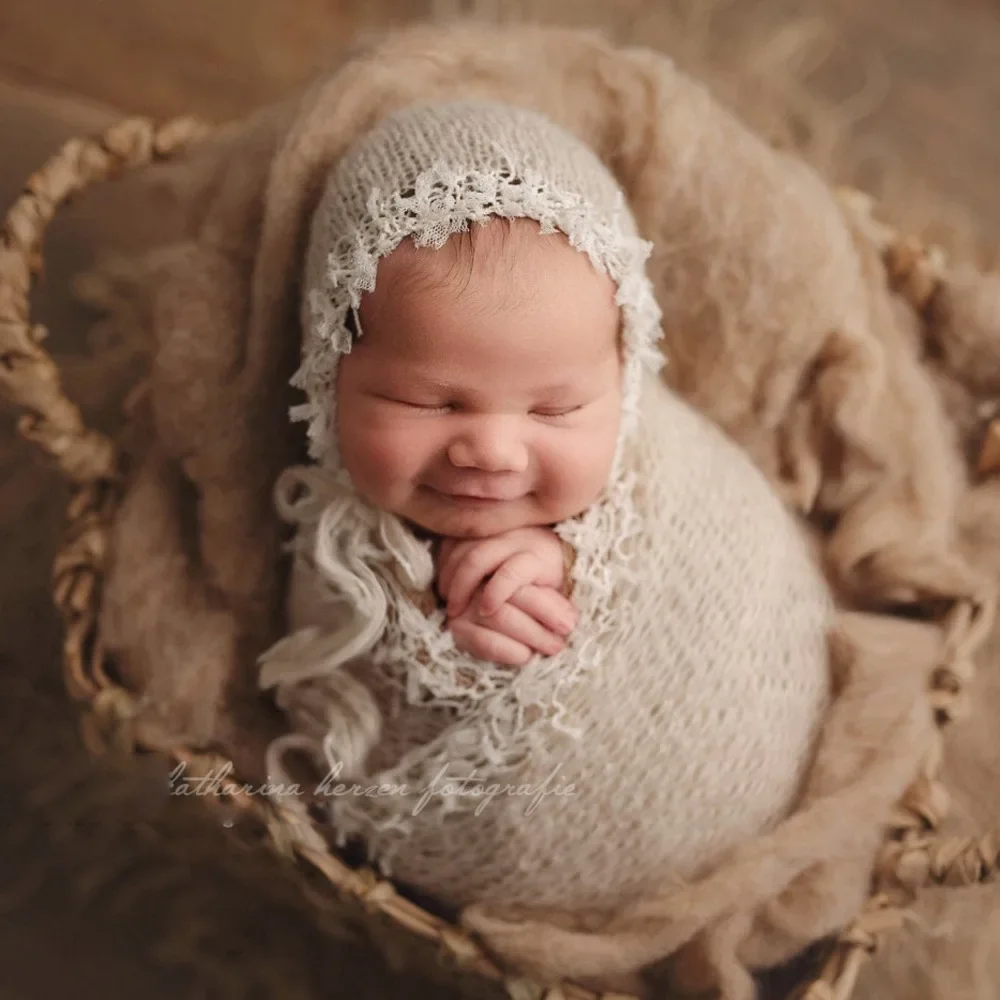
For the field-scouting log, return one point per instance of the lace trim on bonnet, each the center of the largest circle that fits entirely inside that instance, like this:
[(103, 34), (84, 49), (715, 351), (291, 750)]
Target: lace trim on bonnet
[(368, 563)]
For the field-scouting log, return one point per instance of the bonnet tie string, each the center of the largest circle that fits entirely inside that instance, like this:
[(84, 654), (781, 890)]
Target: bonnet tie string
[(350, 551)]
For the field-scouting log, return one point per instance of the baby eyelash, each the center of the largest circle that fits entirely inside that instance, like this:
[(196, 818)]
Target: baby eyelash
[(558, 413), (450, 407)]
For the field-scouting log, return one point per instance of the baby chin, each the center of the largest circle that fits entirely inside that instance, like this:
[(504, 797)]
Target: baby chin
[(467, 517)]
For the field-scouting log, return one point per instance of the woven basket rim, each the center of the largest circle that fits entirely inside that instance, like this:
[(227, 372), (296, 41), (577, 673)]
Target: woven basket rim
[(913, 855)]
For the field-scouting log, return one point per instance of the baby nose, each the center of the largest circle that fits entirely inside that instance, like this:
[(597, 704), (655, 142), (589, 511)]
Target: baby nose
[(491, 444)]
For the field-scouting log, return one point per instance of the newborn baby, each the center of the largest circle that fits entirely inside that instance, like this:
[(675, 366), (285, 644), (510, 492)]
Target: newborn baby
[(482, 405), (486, 417)]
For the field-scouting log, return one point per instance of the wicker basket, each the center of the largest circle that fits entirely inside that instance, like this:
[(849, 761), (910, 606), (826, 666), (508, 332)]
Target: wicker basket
[(912, 857)]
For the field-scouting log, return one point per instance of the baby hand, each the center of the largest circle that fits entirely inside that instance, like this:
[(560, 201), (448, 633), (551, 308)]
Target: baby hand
[(532, 621), (514, 558), (519, 608)]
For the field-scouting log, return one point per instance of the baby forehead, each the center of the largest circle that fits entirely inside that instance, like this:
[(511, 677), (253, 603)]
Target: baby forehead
[(513, 293)]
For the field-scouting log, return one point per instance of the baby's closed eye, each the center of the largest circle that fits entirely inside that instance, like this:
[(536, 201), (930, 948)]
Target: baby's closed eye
[(561, 411), (435, 407)]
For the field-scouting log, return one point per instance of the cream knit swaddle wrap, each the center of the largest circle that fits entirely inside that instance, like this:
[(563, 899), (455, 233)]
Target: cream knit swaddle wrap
[(679, 719)]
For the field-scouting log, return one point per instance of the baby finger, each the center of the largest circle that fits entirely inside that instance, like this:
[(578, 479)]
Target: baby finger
[(486, 644), (450, 555), (548, 607), (509, 578), (475, 566), (522, 627)]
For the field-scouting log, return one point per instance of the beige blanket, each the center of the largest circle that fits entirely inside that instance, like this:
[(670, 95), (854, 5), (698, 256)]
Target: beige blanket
[(780, 325)]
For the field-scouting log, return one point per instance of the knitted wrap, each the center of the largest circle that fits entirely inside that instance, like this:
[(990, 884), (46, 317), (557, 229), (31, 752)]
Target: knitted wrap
[(680, 717)]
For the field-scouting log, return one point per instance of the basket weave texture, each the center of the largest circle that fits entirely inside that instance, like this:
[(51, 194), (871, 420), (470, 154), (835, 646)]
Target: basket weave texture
[(913, 855)]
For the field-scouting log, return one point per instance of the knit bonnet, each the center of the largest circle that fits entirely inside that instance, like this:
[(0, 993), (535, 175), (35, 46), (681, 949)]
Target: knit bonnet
[(433, 170)]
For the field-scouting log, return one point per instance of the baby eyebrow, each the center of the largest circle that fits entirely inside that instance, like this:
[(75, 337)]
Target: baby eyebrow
[(437, 385)]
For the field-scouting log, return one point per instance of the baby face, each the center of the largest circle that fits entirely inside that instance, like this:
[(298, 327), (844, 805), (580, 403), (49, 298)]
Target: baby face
[(483, 395)]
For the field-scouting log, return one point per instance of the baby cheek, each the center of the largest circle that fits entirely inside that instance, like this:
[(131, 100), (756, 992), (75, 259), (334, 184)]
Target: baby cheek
[(388, 455), (574, 467)]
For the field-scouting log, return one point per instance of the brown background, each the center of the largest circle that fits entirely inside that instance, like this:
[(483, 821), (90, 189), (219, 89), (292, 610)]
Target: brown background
[(919, 78), (934, 65)]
